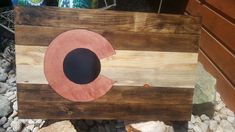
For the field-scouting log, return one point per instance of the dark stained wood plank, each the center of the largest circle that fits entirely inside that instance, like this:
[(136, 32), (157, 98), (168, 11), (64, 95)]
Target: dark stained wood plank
[(129, 103), (118, 94), (226, 6), (217, 53), (91, 110), (224, 87), (110, 20), (120, 40), (223, 29)]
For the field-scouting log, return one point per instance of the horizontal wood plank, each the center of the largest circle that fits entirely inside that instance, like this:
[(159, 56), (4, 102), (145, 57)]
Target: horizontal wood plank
[(224, 87), (215, 23), (166, 69), (107, 20), (119, 103), (224, 59), (120, 40), (226, 6)]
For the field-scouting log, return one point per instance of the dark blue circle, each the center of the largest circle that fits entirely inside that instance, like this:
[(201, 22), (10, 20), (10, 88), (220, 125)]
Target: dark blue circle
[(81, 66)]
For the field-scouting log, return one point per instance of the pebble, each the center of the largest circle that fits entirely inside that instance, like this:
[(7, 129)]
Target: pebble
[(3, 90), (16, 125), (204, 117), (203, 126), (219, 129), (226, 125), (213, 125), (196, 128), (15, 113), (30, 121), (15, 106), (12, 97), (6, 125), (8, 94), (217, 118), (219, 106), (3, 120), (35, 129), (30, 127), (3, 77), (25, 130), (2, 129), (5, 106), (231, 119)]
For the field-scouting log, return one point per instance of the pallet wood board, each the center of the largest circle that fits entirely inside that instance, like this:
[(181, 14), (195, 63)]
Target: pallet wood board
[(153, 68)]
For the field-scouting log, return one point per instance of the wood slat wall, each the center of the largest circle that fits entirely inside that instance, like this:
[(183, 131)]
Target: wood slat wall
[(217, 48)]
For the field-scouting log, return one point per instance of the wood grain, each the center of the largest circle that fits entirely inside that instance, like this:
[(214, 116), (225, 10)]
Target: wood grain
[(120, 102), (153, 67), (120, 40), (107, 20), (226, 6), (218, 54), (215, 23), (125, 67)]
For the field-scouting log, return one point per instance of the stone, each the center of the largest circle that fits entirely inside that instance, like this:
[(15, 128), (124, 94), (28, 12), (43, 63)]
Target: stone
[(25, 130), (219, 106), (190, 125), (15, 106), (62, 126), (219, 129), (16, 125), (196, 128), (213, 125), (30, 121), (218, 99), (3, 77), (151, 126), (35, 129), (2, 129), (226, 126), (8, 94), (14, 114), (203, 126), (30, 127), (229, 112), (217, 118), (6, 125), (3, 120), (5, 106), (204, 117), (205, 86), (12, 97), (193, 119), (231, 119), (3, 90), (197, 119)]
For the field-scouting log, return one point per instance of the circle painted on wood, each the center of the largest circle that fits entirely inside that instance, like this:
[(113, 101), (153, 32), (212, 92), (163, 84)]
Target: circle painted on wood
[(63, 65), (81, 66)]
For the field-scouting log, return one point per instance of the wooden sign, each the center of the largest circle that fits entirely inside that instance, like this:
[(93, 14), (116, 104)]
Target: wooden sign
[(152, 66)]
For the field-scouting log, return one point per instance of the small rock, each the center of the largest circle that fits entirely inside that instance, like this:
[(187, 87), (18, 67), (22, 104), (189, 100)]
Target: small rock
[(226, 125), (193, 119), (5, 106), (219, 129), (30, 127), (190, 125), (219, 106), (151, 126), (196, 128), (229, 113), (12, 97), (218, 99), (15, 106), (30, 121), (25, 130), (6, 125), (13, 115), (2, 129), (3, 77), (217, 118), (213, 125), (8, 94), (204, 117), (62, 126), (203, 126), (231, 119), (16, 125), (3, 120), (197, 119), (3, 90), (35, 129)]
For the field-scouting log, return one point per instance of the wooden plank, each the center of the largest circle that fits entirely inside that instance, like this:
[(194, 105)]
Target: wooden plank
[(120, 40), (125, 67), (227, 6), (107, 20), (217, 53), (224, 87), (215, 23), (120, 102)]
